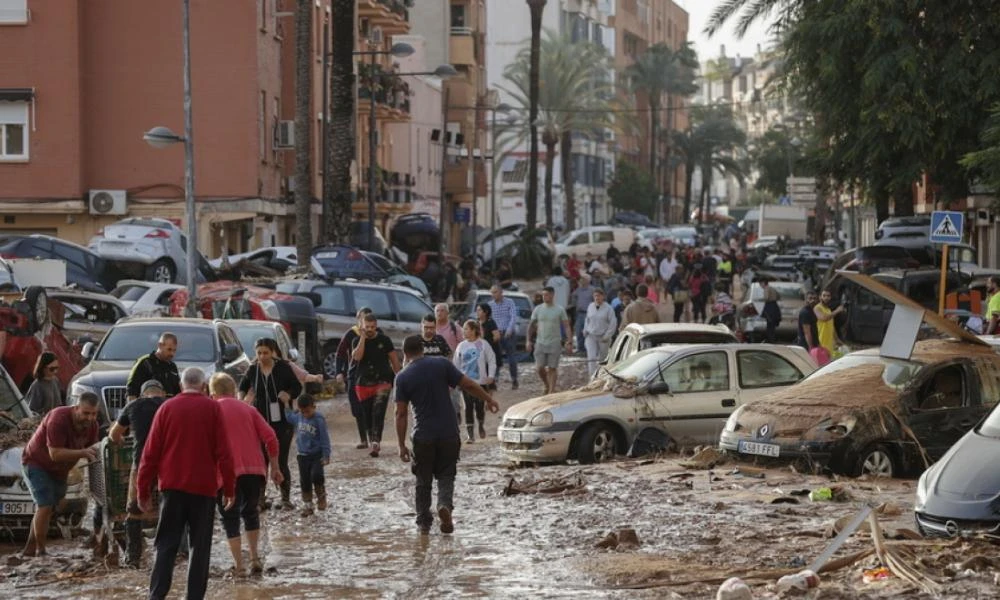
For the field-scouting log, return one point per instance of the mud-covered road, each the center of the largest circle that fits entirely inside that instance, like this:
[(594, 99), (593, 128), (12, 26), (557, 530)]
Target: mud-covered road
[(695, 527)]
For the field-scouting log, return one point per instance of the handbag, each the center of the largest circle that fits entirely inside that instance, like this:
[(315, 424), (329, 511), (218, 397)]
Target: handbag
[(681, 296)]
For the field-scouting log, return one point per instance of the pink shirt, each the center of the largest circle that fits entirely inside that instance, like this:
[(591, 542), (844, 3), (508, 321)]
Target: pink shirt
[(246, 431), (452, 333)]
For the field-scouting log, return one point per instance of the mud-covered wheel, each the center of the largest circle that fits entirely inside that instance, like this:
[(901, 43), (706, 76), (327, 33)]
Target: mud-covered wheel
[(38, 307), (878, 461), (597, 444), (330, 360), (161, 271)]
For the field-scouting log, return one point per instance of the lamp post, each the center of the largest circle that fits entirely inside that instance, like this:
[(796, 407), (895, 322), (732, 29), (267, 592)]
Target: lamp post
[(504, 108), (161, 137)]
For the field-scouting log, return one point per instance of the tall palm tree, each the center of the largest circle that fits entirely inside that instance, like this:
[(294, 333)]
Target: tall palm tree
[(337, 210), (537, 7), (660, 72), (710, 145), (576, 97), (303, 129), (752, 10)]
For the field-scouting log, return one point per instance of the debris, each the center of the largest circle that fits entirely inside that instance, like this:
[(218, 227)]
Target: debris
[(14, 560), (680, 476), (821, 495), (20, 436), (624, 539), (799, 493), (844, 532), (649, 441), (803, 580), (609, 541), (895, 564), (734, 588), (568, 484), (706, 458), (785, 500), (870, 575)]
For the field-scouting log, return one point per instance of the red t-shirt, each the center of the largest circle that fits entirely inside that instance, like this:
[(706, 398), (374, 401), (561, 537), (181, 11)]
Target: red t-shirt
[(57, 431)]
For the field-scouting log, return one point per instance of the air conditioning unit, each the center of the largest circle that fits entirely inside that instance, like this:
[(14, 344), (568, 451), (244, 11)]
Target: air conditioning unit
[(108, 202), (375, 36), (285, 136)]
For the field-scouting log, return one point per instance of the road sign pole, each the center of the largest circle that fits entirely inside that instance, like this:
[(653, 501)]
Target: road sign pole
[(944, 279)]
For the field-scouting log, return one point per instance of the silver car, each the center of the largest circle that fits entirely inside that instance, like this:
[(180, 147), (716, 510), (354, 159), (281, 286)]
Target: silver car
[(686, 391), (88, 316), (148, 248), (145, 298)]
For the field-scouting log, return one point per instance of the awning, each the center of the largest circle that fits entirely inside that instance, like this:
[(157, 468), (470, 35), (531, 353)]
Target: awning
[(17, 94)]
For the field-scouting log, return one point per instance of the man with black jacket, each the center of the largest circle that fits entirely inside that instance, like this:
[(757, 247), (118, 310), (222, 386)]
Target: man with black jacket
[(158, 365), (346, 370)]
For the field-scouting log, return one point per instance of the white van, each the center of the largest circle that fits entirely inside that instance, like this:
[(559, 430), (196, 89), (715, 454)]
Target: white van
[(595, 239)]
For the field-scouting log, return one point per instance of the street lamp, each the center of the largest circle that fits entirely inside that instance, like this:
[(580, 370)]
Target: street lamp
[(161, 137), (505, 108)]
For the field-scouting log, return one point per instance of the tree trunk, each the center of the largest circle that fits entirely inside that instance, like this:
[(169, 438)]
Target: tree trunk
[(566, 154), (668, 170), (902, 198), (550, 142), (654, 129), (303, 129), (688, 180), (706, 191), (337, 212), (531, 199), (881, 196)]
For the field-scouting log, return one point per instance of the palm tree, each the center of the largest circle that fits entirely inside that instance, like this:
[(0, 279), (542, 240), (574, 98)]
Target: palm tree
[(710, 144), (537, 7), (576, 97), (662, 71), (337, 210), (752, 10), (303, 128)]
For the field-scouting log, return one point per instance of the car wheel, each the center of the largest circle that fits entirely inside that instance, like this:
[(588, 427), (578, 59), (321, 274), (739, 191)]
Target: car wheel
[(876, 460), (162, 271), (330, 361), (597, 444), (38, 307)]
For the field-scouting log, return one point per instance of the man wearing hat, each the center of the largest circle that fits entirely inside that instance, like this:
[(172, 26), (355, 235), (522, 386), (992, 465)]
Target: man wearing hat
[(137, 418)]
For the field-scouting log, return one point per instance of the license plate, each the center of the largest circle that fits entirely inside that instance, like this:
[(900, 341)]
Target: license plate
[(510, 436), (17, 508), (759, 449)]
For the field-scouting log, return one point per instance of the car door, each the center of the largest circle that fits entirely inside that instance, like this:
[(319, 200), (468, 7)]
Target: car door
[(382, 307), (760, 372), (410, 310), (702, 395), (937, 419), (601, 240)]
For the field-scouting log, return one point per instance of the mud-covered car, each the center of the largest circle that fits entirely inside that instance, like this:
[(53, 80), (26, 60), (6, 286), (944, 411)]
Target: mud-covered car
[(88, 316), (869, 414), (685, 391), (16, 505)]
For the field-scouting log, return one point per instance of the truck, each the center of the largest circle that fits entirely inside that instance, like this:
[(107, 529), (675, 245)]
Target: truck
[(774, 220)]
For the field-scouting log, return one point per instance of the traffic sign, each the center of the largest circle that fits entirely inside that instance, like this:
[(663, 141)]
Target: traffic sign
[(947, 226), (463, 214)]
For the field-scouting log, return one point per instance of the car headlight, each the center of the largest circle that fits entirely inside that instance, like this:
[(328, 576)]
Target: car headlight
[(921, 491), (542, 419), (270, 309), (842, 427), (78, 389), (733, 421)]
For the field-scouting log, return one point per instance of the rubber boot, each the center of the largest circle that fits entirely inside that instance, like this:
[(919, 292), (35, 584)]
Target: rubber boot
[(307, 500), (133, 543), (321, 497)]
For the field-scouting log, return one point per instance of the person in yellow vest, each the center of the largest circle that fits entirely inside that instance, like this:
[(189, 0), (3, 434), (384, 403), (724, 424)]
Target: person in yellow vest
[(993, 306), (825, 322)]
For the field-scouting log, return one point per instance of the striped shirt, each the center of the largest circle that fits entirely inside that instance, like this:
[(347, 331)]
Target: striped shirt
[(505, 315)]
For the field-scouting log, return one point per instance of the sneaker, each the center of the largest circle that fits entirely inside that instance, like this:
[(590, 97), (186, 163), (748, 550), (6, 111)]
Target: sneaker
[(482, 432), (362, 446), (321, 502), (447, 525)]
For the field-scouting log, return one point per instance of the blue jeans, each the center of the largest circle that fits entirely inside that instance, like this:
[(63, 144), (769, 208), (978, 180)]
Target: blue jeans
[(508, 344), (45, 489), (581, 320)]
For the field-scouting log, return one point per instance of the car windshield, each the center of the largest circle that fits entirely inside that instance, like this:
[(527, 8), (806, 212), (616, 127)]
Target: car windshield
[(5, 276), (785, 292), (129, 293), (896, 373), (640, 364), (686, 337), (194, 344), (249, 334), (565, 237)]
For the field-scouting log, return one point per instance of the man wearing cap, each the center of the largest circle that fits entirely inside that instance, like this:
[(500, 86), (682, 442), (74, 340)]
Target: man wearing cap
[(137, 419)]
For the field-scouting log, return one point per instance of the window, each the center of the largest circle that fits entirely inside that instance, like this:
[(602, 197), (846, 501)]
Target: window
[(705, 372), (945, 390), (13, 12), (332, 300), (458, 15), (411, 309), (377, 300), (580, 238), (13, 126), (263, 14), (601, 237), (759, 368), (228, 336)]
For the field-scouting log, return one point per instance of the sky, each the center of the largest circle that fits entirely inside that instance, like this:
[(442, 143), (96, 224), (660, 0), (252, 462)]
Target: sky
[(708, 47)]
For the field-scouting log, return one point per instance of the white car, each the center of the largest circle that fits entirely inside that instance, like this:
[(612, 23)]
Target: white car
[(145, 298), (636, 337), (650, 238), (279, 258), (249, 331), (86, 315), (595, 240), (148, 248), (687, 392)]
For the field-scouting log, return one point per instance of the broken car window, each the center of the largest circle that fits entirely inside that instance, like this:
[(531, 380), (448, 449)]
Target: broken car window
[(641, 365)]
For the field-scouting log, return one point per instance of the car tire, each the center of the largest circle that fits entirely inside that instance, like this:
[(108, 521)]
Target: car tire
[(38, 307), (598, 443), (876, 460), (330, 360), (162, 271)]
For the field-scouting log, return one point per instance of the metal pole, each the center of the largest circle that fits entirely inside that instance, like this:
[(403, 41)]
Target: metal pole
[(371, 158), (326, 125), (475, 171), (443, 220), (493, 191), (854, 220), (189, 208)]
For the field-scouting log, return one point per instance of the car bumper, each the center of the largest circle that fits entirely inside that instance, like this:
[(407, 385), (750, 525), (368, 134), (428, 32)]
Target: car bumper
[(533, 445), (934, 526), (128, 251), (20, 508), (819, 453)]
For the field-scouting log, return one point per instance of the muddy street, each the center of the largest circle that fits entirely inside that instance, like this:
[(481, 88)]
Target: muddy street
[(696, 521)]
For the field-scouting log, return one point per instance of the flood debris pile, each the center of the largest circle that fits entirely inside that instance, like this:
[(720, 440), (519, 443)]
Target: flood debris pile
[(570, 484), (623, 539), (705, 458), (20, 436)]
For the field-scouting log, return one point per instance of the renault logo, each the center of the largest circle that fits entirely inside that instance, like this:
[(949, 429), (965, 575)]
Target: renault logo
[(763, 431), (952, 528)]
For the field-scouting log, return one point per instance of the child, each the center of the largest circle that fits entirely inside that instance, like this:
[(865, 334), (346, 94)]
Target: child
[(313, 444)]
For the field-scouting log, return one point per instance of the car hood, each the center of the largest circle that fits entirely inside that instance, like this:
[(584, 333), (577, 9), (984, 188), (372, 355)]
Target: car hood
[(967, 472), (101, 373), (529, 408), (10, 462)]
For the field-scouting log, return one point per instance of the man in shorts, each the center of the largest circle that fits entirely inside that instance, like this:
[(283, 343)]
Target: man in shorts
[(548, 333)]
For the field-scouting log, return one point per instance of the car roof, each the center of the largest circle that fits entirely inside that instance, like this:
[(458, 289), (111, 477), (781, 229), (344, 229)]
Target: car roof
[(55, 293), (351, 282), (935, 350), (168, 321), (676, 348), (253, 322), (511, 293), (655, 328)]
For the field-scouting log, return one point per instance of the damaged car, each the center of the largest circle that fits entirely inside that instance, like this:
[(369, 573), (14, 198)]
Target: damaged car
[(866, 413), (684, 391)]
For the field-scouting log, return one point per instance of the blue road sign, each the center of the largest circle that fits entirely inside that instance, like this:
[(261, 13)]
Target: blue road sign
[(463, 214), (947, 226)]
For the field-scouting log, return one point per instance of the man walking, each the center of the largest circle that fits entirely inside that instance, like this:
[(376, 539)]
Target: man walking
[(505, 315), (640, 311), (65, 436), (434, 343), (445, 327), (377, 368), (560, 284), (808, 336), (598, 330), (186, 452), (425, 385), (346, 369), (545, 336), (582, 297), (137, 418), (158, 365)]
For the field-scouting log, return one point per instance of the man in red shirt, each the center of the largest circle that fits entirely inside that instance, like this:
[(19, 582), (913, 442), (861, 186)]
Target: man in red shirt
[(64, 437), (187, 450)]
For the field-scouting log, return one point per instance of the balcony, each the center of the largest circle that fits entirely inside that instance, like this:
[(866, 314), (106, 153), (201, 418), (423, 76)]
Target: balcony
[(462, 46), (461, 92), (458, 178), (392, 94), (392, 16)]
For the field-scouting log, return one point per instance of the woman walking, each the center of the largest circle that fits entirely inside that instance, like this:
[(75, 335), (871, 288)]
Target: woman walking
[(44, 393), (476, 360), (491, 333), (677, 286), (268, 384), (699, 286)]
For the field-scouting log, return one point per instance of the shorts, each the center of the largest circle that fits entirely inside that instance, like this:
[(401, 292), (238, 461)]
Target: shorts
[(547, 356), (45, 489)]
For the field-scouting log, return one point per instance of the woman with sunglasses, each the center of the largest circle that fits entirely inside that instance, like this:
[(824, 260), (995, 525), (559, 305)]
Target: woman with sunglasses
[(45, 393), (268, 385)]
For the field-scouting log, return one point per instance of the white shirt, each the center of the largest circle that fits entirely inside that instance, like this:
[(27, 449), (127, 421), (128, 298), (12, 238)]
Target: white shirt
[(560, 287), (668, 266), (601, 322)]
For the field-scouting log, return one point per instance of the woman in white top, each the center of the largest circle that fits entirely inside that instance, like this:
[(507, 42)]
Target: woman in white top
[(476, 360)]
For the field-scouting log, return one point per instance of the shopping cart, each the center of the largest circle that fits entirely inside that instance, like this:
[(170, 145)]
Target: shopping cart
[(109, 484)]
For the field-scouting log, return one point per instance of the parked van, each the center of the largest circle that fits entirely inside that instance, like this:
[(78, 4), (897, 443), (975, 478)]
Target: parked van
[(595, 239)]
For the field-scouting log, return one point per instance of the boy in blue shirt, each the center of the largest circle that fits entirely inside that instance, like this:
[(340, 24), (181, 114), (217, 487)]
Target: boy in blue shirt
[(313, 444)]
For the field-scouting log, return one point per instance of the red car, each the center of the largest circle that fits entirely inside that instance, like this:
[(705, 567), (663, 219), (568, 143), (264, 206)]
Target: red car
[(32, 324)]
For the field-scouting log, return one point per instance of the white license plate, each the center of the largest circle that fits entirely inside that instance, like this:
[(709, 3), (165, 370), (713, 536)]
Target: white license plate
[(759, 449), (510, 436), (17, 508)]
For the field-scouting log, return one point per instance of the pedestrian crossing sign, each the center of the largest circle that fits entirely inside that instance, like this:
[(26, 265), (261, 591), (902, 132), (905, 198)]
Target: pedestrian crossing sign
[(947, 226)]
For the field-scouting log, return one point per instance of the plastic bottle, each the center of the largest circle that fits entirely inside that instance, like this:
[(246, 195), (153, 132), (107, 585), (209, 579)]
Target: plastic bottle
[(734, 588), (800, 581)]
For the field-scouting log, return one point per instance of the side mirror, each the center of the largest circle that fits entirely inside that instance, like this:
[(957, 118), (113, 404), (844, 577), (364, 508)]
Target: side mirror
[(87, 352), (230, 353), (293, 355), (658, 387)]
